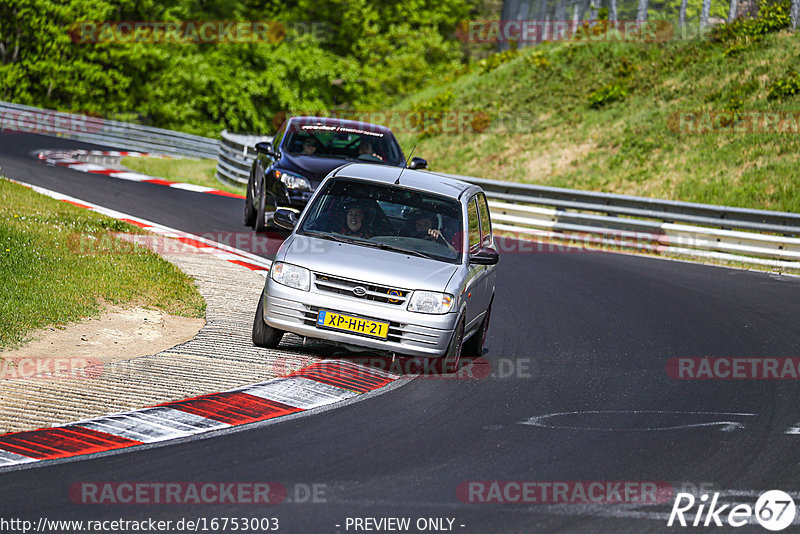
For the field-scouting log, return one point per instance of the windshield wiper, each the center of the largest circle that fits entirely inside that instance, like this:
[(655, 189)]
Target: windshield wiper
[(384, 246), (332, 237)]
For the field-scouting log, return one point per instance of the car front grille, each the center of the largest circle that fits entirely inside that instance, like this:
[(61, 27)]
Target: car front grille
[(373, 292)]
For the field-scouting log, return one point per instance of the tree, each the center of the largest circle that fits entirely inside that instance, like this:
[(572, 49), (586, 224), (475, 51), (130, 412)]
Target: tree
[(641, 13), (747, 8), (732, 12), (682, 15), (561, 16), (704, 13)]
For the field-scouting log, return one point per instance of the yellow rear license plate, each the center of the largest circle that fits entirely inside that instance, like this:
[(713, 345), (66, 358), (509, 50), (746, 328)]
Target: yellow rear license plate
[(356, 325)]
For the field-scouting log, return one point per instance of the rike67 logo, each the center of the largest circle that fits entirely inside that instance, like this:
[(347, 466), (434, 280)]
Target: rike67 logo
[(774, 511)]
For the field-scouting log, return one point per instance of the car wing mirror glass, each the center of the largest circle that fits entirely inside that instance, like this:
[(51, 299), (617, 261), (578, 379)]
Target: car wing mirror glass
[(484, 256), (265, 147), (286, 219), (418, 163)]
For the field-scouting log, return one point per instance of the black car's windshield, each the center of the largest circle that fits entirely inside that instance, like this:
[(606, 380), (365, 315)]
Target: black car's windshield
[(389, 217), (343, 143)]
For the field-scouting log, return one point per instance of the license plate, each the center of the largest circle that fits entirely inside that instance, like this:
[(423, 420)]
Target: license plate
[(356, 325)]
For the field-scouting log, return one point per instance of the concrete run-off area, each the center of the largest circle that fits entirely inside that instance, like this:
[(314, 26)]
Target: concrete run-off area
[(220, 357)]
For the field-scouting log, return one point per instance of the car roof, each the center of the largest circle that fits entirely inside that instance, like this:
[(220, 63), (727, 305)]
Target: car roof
[(422, 180), (345, 123)]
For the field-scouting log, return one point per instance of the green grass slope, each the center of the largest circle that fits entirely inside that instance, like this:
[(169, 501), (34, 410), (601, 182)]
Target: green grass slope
[(60, 263), (606, 116)]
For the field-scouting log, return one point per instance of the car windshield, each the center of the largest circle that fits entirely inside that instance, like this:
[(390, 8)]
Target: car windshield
[(336, 141), (389, 217)]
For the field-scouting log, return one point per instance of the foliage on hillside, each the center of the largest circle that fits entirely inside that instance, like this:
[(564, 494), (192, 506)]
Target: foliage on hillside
[(364, 53), (634, 118)]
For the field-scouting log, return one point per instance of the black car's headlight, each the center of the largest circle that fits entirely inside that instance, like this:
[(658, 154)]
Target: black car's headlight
[(292, 180)]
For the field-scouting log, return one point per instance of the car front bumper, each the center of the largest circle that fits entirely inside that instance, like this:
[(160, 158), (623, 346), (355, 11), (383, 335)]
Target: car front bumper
[(296, 199), (411, 334)]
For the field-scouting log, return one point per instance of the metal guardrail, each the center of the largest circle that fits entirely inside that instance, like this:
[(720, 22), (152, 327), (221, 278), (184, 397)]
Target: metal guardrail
[(236, 155), (539, 212), (586, 217), (580, 218), (124, 135)]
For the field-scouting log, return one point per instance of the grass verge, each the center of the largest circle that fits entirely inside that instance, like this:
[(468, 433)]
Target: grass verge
[(189, 171), (60, 263), (606, 116)]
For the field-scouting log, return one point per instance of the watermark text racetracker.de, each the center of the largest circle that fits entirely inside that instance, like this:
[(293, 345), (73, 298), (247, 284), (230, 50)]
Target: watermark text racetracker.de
[(562, 492), (734, 122), (195, 31), (471, 369), (49, 367), (733, 368), (200, 492), (102, 243), (48, 122), (536, 31), (506, 243)]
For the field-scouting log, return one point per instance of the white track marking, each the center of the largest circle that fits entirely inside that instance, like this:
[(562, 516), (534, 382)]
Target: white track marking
[(153, 424), (220, 248), (727, 426), (299, 392), (10, 458)]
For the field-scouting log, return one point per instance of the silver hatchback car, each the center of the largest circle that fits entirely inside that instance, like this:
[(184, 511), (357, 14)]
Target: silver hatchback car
[(385, 260)]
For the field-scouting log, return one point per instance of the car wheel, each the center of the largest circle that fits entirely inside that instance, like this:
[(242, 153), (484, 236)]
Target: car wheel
[(261, 212), (473, 347), (449, 362), (249, 210), (263, 334)]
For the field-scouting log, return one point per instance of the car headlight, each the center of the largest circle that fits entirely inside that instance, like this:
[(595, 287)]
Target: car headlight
[(430, 302), (292, 181), (291, 275)]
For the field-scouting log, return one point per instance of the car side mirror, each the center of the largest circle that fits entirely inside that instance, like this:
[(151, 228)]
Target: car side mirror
[(418, 163), (485, 256), (265, 147), (286, 219)]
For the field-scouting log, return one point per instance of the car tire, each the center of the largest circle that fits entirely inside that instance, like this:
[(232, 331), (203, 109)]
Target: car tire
[(450, 361), (261, 212), (473, 347), (263, 334), (249, 210)]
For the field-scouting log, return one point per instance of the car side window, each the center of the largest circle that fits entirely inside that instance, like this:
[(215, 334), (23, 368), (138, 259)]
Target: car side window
[(486, 222), (474, 225)]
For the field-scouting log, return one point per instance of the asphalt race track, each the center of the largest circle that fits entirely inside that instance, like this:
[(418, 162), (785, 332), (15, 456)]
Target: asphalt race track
[(579, 391)]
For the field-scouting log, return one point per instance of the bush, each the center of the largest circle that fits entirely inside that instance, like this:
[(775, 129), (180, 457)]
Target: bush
[(786, 87), (732, 97), (439, 103), (613, 92), (772, 16), (495, 60), (537, 59)]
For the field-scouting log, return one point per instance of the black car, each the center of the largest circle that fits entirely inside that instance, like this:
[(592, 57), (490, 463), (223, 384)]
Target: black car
[(303, 152)]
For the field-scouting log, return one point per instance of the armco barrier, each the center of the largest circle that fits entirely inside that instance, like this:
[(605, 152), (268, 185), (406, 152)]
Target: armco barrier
[(124, 135), (744, 235), (737, 234), (723, 232), (236, 155)]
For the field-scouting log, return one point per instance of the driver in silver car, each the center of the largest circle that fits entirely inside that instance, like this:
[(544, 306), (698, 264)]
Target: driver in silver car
[(424, 228)]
